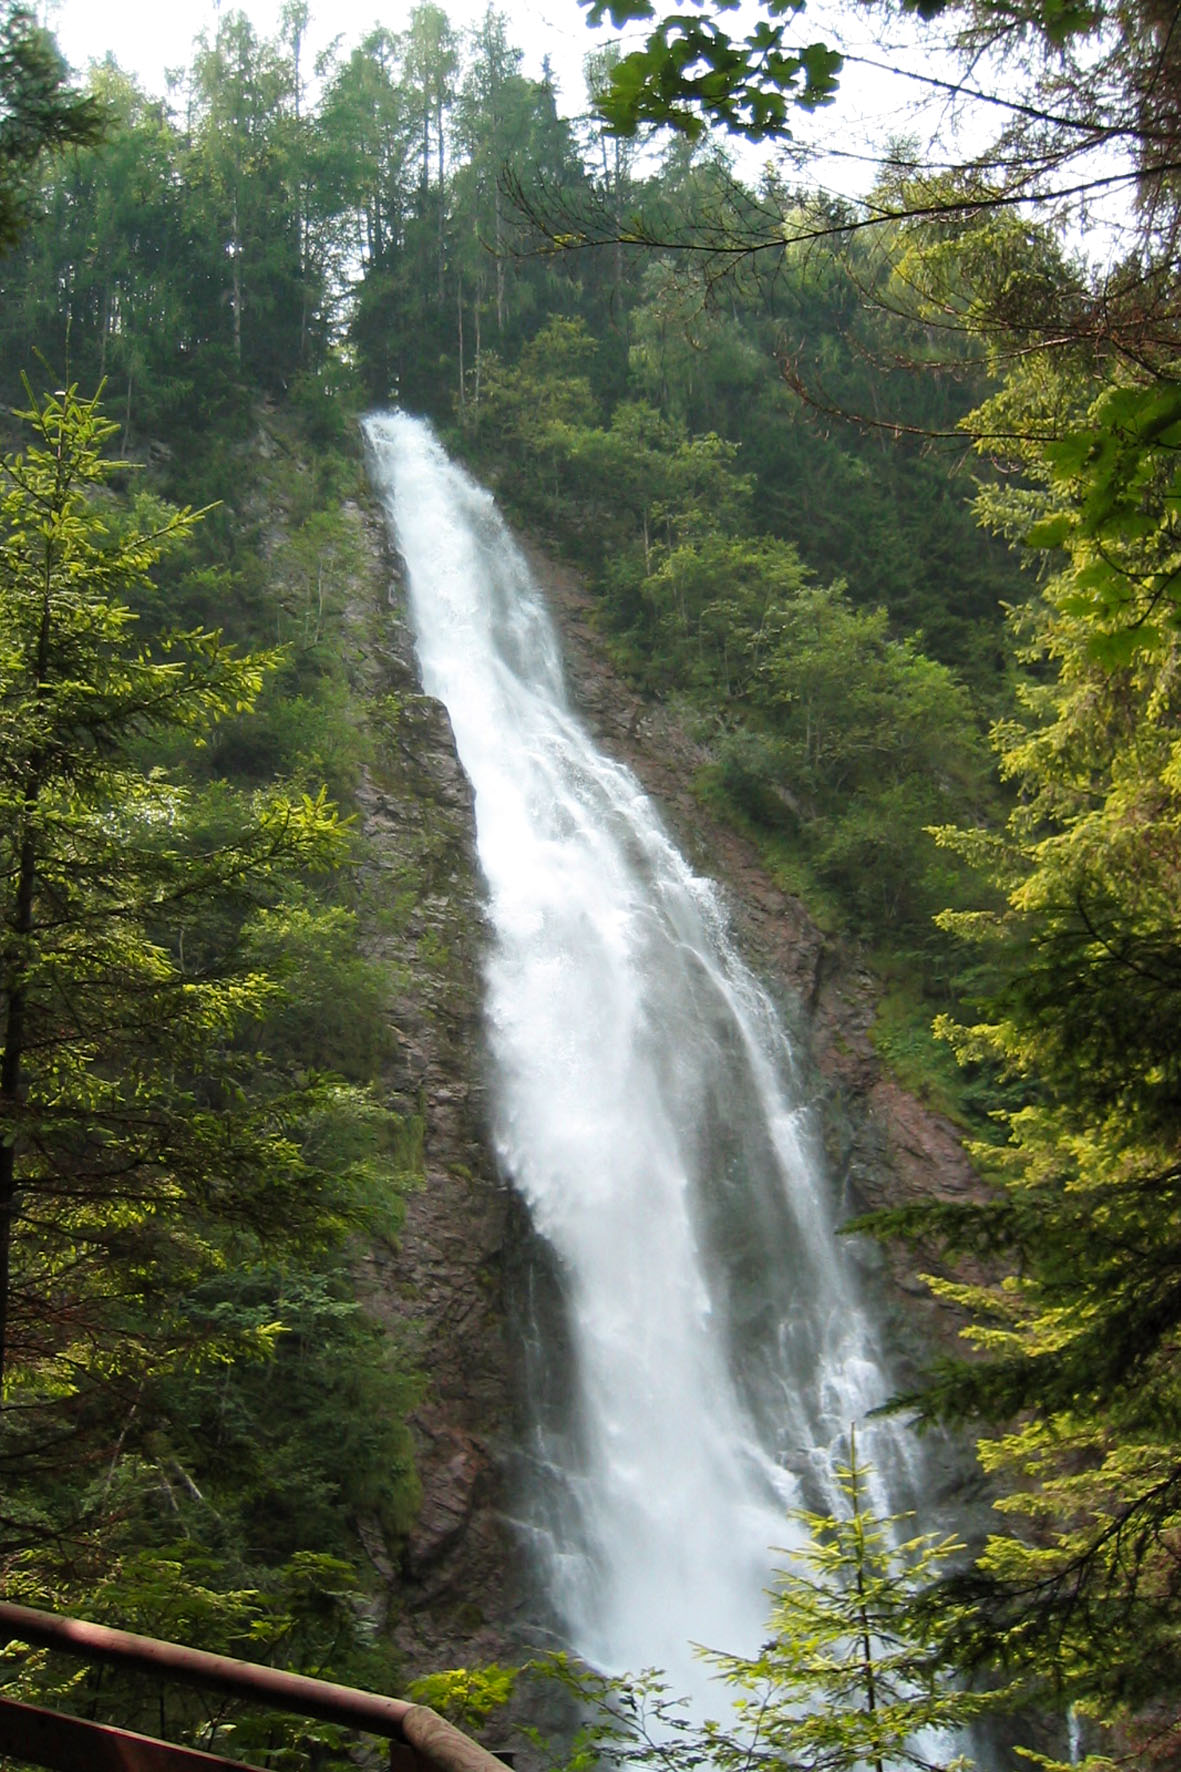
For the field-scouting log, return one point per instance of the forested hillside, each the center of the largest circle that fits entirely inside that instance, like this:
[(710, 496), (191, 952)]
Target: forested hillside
[(937, 686), (364, 246)]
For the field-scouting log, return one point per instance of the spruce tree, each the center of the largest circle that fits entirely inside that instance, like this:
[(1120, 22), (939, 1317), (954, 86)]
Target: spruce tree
[(39, 112), (144, 1145), (1073, 1380), (850, 1675)]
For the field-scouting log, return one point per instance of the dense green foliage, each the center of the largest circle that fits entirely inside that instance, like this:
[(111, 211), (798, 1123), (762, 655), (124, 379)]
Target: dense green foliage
[(734, 435), (119, 1093), (39, 112), (837, 671), (1075, 1376), (692, 69), (180, 1172), (239, 280), (1074, 1379), (738, 541)]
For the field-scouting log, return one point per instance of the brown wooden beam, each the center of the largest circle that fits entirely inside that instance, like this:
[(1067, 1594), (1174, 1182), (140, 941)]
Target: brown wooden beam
[(72, 1744), (219, 1673), (413, 1728)]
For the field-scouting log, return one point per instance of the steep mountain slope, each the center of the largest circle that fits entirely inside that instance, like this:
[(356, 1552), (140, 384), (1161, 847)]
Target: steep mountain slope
[(458, 1591)]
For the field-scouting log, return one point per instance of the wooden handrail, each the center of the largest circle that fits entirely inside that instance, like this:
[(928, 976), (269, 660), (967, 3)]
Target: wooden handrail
[(75, 1744), (437, 1745)]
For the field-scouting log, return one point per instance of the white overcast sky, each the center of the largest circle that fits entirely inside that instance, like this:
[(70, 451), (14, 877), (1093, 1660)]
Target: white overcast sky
[(147, 37)]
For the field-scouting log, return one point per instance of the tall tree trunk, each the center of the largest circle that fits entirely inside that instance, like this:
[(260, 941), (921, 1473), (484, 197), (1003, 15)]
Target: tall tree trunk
[(498, 235), (106, 331), (459, 332), (16, 1005), (476, 372), (236, 291), (618, 196), (442, 242), (305, 234), (867, 1666), (16, 996)]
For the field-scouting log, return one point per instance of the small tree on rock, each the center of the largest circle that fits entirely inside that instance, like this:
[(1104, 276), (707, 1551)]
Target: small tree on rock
[(850, 1677)]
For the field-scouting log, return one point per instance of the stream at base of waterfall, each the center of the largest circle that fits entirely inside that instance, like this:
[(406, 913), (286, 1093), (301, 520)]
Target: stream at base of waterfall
[(647, 1108)]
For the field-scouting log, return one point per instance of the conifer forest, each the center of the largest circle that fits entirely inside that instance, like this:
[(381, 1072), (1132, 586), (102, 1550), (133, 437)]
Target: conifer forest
[(325, 1061)]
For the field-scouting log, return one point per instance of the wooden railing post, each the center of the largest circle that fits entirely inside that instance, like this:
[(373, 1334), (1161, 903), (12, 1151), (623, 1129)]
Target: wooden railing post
[(420, 1741)]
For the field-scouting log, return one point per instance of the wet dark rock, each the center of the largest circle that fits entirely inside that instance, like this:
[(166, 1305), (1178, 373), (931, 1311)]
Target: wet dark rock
[(440, 1287)]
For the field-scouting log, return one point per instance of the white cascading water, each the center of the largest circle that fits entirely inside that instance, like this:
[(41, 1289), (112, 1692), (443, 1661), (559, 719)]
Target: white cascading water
[(715, 1353)]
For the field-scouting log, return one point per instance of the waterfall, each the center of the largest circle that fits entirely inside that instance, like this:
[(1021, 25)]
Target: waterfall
[(647, 1107)]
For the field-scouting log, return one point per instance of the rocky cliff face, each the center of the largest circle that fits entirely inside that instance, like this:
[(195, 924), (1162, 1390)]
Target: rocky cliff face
[(450, 1585), (457, 1591)]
